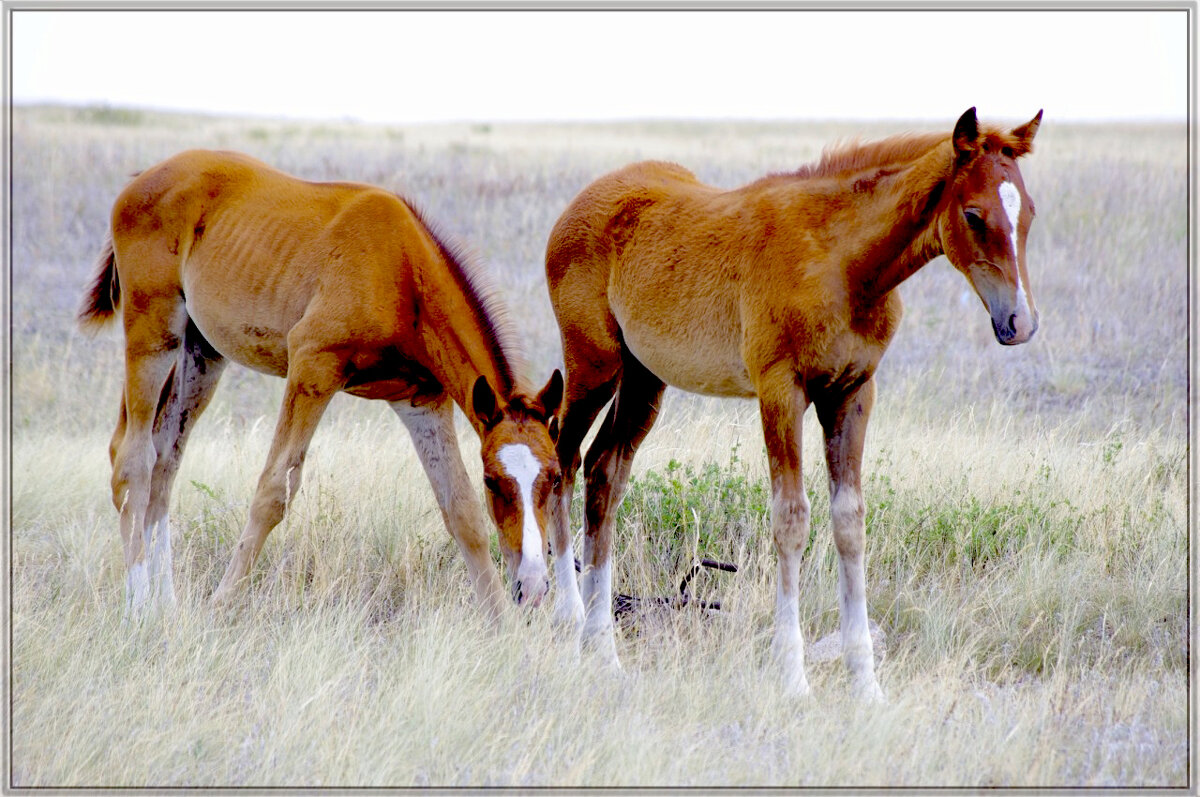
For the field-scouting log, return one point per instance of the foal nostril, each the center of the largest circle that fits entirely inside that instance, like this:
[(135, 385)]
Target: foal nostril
[(1012, 324)]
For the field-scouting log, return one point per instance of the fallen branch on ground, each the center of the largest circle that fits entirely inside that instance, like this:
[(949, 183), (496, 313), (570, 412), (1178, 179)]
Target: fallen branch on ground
[(627, 604)]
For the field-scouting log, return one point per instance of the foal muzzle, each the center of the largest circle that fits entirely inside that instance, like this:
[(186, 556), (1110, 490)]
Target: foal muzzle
[(1012, 328), (531, 584)]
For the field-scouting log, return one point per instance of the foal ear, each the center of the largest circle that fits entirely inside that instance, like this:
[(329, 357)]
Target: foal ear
[(966, 133), (551, 396), (1025, 133), (483, 402)]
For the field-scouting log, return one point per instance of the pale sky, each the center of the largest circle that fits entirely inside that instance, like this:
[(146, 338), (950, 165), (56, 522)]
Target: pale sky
[(397, 66)]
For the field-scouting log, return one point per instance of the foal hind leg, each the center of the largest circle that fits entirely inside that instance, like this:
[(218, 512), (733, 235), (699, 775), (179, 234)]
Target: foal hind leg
[(118, 435), (432, 430), (606, 474), (845, 425), (188, 390), (313, 379), (152, 336)]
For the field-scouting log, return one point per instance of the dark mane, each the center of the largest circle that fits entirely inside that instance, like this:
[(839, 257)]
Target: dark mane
[(870, 161), (481, 295), (889, 154), (854, 157)]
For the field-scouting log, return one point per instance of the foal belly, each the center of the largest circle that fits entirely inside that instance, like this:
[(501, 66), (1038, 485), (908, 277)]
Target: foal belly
[(679, 315), (252, 342), (242, 331), (689, 356)]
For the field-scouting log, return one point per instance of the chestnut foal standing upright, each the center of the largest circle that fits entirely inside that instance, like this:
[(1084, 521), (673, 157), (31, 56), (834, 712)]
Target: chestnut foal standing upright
[(335, 287), (784, 290)]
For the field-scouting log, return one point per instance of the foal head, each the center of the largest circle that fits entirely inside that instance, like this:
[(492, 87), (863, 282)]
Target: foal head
[(521, 473), (986, 221)]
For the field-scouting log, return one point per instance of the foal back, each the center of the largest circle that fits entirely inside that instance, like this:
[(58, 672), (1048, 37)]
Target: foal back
[(246, 252)]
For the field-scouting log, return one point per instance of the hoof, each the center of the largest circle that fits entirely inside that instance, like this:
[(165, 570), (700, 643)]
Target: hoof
[(224, 598), (867, 690), (568, 620), (796, 688), (787, 651), (601, 646)]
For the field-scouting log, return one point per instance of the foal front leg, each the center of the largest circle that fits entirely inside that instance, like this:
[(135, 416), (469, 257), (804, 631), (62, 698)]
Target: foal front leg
[(782, 404), (580, 408), (432, 430), (313, 379), (845, 425)]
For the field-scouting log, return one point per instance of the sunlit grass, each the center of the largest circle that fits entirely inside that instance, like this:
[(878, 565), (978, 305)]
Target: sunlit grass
[(357, 658)]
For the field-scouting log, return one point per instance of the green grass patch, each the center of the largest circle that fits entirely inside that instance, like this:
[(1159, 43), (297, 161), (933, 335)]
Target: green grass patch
[(961, 529), (688, 511)]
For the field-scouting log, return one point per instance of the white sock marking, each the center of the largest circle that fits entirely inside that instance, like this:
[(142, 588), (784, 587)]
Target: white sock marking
[(597, 595), (523, 467), (568, 602), (788, 644), (137, 587), (598, 630), (564, 568), (787, 617), (157, 538)]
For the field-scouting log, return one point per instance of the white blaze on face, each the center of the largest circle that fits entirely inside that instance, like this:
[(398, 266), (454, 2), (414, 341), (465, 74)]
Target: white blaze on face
[(520, 463), (1010, 198)]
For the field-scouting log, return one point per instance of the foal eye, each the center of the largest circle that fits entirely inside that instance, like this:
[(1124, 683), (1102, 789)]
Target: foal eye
[(975, 220), (1007, 152), (492, 485)]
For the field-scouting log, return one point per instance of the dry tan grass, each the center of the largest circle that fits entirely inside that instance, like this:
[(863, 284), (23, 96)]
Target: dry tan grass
[(1057, 657)]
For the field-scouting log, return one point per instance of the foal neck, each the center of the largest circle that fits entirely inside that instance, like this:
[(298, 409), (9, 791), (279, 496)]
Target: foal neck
[(898, 213), (463, 328), (462, 347)]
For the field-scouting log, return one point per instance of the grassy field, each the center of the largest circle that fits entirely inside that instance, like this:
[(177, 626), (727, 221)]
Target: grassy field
[(1028, 539)]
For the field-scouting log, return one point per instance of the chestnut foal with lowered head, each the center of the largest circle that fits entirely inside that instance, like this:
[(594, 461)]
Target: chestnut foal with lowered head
[(335, 287)]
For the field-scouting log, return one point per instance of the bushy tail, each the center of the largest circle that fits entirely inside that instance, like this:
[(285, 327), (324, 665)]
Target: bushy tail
[(103, 295)]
